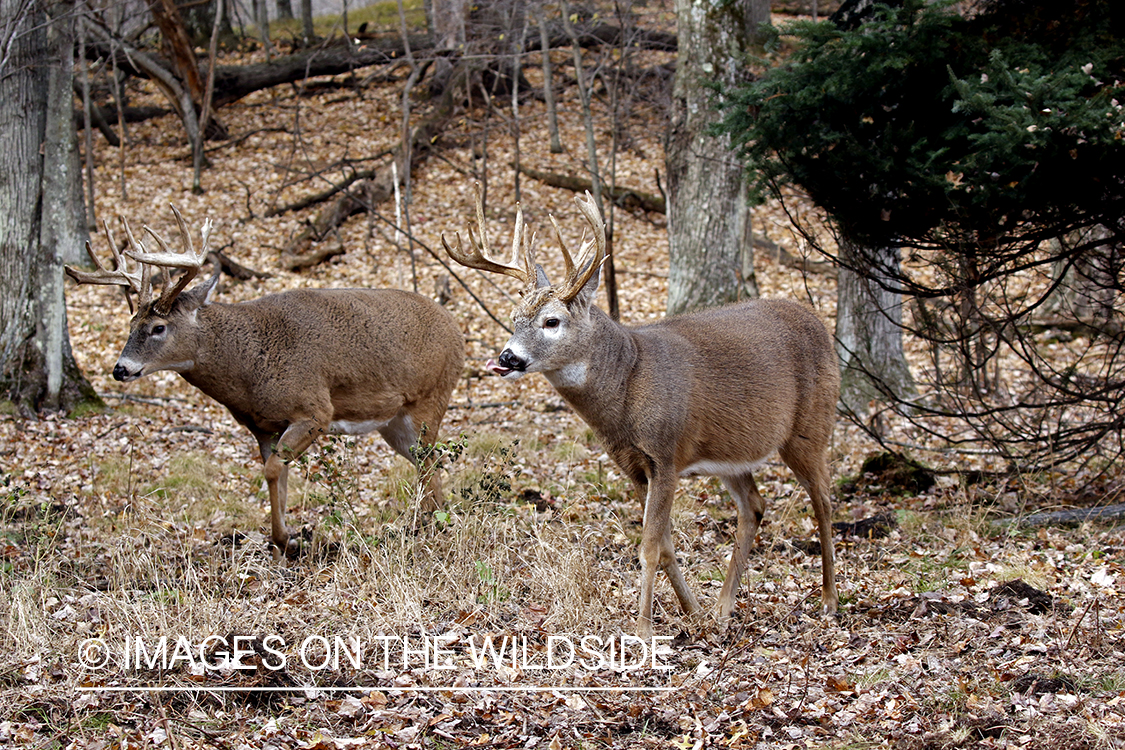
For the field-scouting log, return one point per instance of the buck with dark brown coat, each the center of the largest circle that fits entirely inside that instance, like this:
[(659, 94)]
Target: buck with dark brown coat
[(295, 365), (712, 393)]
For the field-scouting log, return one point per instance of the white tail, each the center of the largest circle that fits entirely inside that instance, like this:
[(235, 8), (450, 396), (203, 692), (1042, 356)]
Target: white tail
[(295, 365), (712, 393)]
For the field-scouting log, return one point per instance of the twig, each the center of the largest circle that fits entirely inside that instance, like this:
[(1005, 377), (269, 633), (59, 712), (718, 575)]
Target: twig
[(160, 704), (1081, 617)]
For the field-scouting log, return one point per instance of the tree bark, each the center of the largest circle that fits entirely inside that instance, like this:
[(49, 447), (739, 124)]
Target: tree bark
[(869, 335), (709, 234), (307, 27), (41, 210), (548, 78)]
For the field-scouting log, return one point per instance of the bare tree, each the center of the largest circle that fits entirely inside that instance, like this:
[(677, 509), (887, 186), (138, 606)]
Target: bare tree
[(708, 213), (41, 201), (307, 21)]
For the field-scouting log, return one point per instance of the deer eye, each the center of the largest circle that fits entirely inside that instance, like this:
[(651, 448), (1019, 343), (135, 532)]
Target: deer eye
[(157, 330), (551, 323)]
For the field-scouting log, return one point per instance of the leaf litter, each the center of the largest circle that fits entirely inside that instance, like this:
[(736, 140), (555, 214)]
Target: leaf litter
[(148, 521)]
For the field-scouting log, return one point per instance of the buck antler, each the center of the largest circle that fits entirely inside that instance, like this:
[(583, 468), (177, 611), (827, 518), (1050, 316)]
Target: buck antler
[(139, 283), (479, 255), (576, 279), (187, 259)]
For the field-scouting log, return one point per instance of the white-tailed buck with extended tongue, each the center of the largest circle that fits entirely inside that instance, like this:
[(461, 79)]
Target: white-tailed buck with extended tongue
[(712, 393), (294, 365)]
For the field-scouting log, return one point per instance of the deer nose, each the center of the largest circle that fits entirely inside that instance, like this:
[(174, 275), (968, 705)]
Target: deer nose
[(509, 360), (120, 372)]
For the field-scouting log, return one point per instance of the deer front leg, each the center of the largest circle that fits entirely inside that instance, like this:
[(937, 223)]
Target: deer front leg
[(658, 552), (275, 458)]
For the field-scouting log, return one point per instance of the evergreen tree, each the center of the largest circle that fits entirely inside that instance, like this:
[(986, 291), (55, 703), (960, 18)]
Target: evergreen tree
[(968, 140)]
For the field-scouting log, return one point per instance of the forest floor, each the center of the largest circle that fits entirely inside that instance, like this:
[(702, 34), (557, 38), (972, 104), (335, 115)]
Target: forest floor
[(144, 527)]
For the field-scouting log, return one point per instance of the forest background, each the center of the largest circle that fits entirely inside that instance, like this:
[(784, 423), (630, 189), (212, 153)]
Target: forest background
[(968, 618)]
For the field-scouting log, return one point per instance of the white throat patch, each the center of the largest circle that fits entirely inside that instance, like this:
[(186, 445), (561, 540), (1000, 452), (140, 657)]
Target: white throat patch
[(568, 376)]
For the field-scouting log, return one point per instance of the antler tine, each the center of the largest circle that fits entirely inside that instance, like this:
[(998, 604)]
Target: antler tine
[(144, 294), (523, 243), (118, 276), (568, 262), (576, 280), (478, 256), (188, 258)]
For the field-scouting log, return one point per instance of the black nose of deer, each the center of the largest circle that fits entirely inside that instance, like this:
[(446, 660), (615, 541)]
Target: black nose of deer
[(120, 373), (510, 361)]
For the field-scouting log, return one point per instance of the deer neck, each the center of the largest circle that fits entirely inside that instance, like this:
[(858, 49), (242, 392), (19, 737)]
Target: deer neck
[(219, 344), (595, 384)]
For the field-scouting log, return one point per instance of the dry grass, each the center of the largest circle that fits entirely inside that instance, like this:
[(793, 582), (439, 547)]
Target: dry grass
[(127, 524)]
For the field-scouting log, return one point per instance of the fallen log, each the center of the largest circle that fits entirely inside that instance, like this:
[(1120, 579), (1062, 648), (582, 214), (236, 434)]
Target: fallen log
[(1069, 517), (363, 195), (626, 198), (232, 82)]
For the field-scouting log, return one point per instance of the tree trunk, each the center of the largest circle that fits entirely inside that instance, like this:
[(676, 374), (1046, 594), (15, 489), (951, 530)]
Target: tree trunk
[(307, 21), (708, 215), (40, 207), (447, 27), (179, 47), (1087, 285), (262, 21), (869, 335), (64, 215), (284, 9), (548, 78)]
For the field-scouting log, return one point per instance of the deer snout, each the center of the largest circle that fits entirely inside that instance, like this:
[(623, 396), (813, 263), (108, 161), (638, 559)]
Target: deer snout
[(507, 363), (124, 373), (511, 361)]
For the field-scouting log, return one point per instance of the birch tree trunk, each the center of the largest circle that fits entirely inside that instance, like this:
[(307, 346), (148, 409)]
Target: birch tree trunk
[(708, 214), (40, 209)]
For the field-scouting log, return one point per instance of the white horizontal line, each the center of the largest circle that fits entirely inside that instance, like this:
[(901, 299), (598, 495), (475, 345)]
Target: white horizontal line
[(368, 688)]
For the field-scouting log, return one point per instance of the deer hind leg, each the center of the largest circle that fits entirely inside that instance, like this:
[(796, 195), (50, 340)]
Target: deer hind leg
[(751, 507), (658, 552), (406, 437), (811, 469)]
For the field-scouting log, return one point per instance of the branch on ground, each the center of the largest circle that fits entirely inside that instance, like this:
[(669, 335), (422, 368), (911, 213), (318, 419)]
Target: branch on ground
[(627, 198)]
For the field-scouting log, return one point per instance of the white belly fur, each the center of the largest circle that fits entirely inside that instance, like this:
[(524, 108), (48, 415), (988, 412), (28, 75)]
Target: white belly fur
[(347, 427), (721, 468)]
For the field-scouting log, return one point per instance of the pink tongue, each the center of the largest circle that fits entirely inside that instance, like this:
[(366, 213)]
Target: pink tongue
[(493, 367)]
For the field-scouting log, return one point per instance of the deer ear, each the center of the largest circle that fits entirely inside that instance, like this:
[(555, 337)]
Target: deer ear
[(541, 277), (589, 291), (201, 295)]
